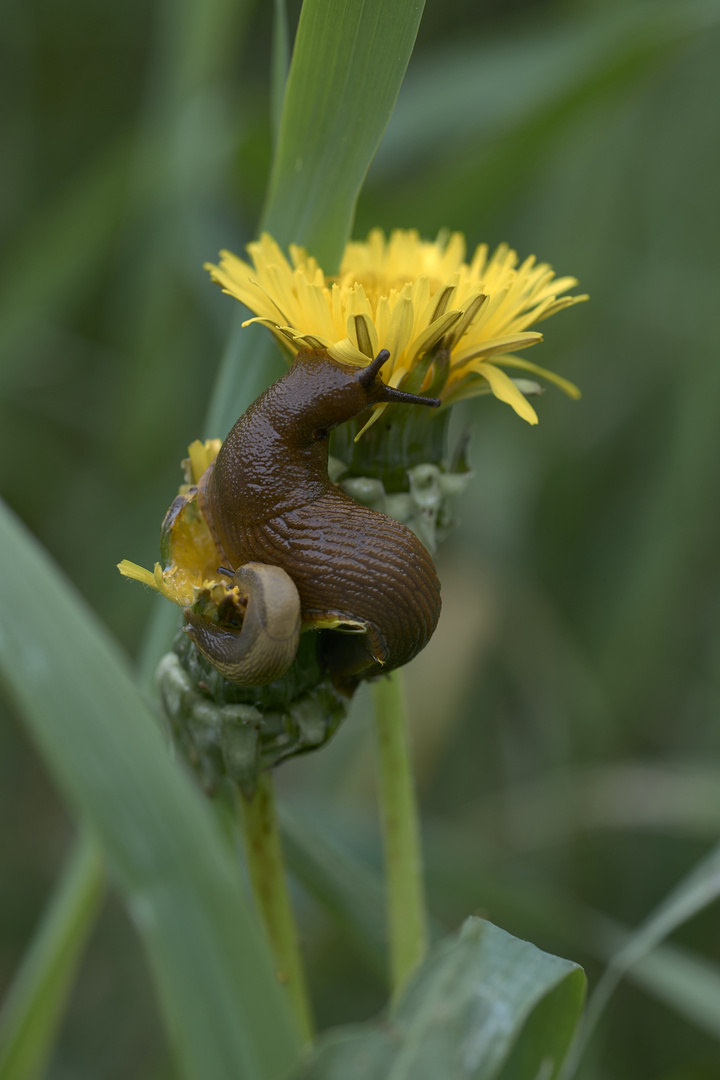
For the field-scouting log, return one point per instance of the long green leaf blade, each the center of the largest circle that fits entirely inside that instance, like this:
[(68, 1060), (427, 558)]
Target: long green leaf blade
[(348, 63), (685, 982), (32, 1011), (280, 65), (696, 890), (222, 1004), (483, 1006)]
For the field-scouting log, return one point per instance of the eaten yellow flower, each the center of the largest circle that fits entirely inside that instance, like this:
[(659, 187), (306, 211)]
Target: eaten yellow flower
[(188, 551), (411, 297)]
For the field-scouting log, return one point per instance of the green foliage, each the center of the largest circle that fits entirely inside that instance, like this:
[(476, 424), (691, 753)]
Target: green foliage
[(565, 722), (347, 66), (280, 64), (700, 888), (184, 926), (483, 1006), (33, 1011), (537, 86), (215, 980), (687, 983), (349, 890)]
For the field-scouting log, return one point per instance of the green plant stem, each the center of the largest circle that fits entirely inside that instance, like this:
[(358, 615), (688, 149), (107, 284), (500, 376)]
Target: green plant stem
[(407, 912), (269, 884)]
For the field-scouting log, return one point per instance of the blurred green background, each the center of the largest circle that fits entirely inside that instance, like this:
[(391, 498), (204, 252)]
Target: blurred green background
[(565, 715)]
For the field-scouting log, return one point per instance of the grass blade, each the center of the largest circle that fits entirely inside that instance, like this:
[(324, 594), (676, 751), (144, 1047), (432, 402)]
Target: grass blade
[(348, 63), (539, 68), (37, 278), (477, 156), (224, 1009), (687, 983), (317, 172), (349, 890), (280, 65), (698, 889), (33, 1009)]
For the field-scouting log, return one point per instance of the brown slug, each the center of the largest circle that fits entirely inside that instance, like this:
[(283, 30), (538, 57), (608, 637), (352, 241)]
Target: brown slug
[(302, 550)]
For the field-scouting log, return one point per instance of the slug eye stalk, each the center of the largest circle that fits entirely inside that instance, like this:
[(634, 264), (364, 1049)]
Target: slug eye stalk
[(366, 375), (379, 392)]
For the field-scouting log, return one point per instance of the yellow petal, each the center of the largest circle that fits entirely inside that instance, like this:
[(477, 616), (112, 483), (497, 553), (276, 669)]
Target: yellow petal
[(377, 412), (480, 331), (284, 334), (439, 304), (395, 379), (496, 345), (361, 330), (471, 385), (433, 333), (137, 573), (556, 286), (346, 352), (400, 328), (454, 254), (310, 341), (201, 455), (516, 362), (471, 310), (358, 301), (420, 295), (561, 303), (315, 305), (505, 390)]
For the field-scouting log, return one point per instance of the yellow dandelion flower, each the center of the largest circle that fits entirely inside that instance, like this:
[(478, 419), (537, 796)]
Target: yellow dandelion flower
[(411, 297)]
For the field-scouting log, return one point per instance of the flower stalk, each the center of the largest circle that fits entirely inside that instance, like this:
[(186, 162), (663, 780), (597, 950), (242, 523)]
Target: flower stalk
[(406, 907), (269, 884)]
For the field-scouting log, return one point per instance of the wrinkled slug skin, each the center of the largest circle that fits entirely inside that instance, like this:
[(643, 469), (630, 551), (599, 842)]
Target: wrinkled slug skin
[(268, 499)]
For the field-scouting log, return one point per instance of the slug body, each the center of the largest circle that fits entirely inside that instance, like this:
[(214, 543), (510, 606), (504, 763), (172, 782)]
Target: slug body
[(268, 499)]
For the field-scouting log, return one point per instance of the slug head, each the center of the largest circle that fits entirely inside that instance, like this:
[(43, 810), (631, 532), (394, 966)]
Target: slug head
[(338, 392)]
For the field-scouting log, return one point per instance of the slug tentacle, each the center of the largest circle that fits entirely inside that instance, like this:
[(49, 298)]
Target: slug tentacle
[(265, 647)]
